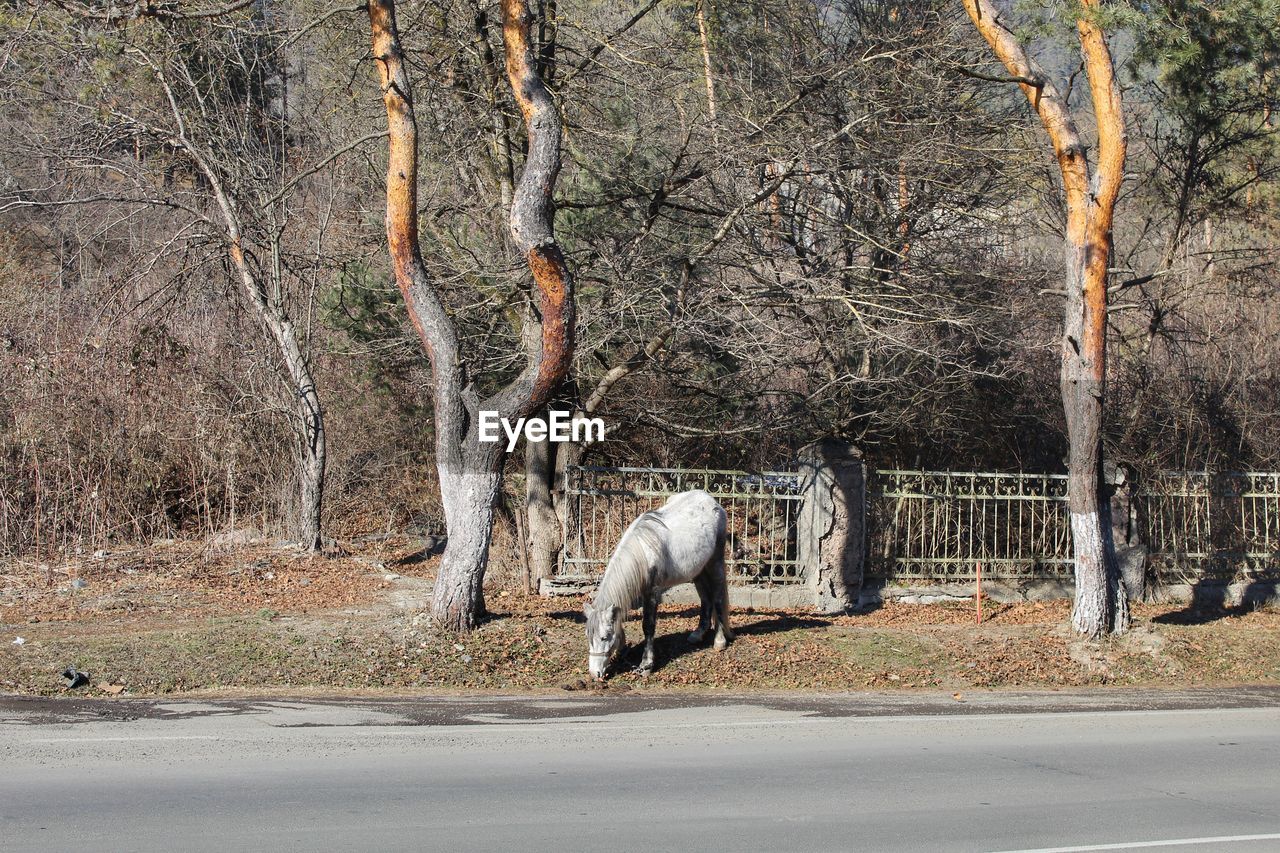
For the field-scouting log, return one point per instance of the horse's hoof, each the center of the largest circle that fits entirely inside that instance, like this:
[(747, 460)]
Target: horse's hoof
[(695, 637), (644, 671), (721, 644)]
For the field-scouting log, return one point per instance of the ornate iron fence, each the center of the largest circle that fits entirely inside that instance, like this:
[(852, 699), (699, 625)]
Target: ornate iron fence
[(1220, 525), (762, 509), (940, 525)]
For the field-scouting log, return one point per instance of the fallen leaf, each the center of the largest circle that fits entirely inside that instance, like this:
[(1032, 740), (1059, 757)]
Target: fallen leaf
[(111, 689)]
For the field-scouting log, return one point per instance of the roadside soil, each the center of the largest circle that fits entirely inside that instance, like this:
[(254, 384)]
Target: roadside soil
[(185, 617)]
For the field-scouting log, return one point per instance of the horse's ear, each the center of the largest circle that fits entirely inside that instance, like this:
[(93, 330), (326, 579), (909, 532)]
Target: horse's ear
[(587, 609)]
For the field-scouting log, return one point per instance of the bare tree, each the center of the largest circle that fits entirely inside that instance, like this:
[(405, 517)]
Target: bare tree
[(783, 219), (470, 471), (231, 130)]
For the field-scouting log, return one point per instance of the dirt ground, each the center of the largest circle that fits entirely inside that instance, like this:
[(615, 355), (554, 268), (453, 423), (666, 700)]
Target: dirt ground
[(182, 617)]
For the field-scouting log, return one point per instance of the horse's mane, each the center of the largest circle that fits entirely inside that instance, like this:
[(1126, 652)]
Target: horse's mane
[(627, 577)]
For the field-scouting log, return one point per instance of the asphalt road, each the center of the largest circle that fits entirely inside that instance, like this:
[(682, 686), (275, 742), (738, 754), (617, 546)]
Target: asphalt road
[(993, 772)]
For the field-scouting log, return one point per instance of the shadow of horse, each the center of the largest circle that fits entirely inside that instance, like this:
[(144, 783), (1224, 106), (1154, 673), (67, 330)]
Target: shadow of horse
[(674, 644), (1209, 603)]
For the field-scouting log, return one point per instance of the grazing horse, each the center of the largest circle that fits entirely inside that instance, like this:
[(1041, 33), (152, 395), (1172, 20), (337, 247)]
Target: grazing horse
[(680, 542)]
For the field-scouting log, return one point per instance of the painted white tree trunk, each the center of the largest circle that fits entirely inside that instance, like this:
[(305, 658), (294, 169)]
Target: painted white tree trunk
[(469, 475), (1101, 604), (468, 496)]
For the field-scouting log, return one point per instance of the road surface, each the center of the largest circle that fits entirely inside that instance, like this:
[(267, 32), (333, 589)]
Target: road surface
[(596, 772)]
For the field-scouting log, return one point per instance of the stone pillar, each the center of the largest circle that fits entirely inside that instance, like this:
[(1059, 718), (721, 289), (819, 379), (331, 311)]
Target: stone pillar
[(831, 529), (1131, 551)]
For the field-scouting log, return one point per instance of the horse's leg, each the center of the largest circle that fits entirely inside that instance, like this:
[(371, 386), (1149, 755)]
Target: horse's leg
[(720, 582), (706, 600), (650, 622)]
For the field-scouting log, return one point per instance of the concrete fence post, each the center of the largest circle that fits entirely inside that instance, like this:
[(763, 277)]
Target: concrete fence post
[(831, 529)]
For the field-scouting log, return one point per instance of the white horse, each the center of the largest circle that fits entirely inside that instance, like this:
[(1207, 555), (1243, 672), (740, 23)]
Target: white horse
[(680, 542)]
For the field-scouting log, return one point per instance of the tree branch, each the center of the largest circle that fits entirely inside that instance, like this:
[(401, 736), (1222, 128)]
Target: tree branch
[(292, 182), (1034, 82), (533, 227), (608, 40), (168, 11), (659, 339), (426, 311)]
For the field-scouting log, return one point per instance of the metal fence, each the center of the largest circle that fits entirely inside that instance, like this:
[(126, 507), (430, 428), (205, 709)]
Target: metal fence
[(762, 510), (1221, 525), (941, 525)]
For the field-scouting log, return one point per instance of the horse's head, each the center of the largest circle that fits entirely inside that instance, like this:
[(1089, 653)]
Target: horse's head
[(605, 637)]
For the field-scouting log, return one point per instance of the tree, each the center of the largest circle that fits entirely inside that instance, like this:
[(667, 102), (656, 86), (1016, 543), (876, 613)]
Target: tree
[(264, 290), (1215, 71), (848, 231), (1100, 598), (470, 471), (208, 137), (1206, 80), (759, 258)]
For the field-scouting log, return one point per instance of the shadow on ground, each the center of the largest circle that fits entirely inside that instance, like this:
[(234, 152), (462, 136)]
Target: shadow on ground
[(1210, 602), (671, 645)]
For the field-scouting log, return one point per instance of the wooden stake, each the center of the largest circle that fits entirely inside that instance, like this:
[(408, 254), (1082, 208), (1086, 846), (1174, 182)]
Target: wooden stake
[(978, 594), (524, 550)]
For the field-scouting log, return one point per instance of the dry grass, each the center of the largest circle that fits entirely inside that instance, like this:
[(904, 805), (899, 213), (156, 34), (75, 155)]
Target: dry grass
[(182, 580), (180, 616)]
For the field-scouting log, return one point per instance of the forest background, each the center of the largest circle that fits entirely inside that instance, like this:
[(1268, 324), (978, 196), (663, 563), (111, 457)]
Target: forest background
[(786, 220)]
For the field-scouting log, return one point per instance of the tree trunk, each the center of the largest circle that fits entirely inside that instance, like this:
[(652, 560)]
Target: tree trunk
[(457, 602), (705, 41), (502, 160), (309, 426), (471, 474), (1082, 404), (312, 474), (270, 306), (1100, 603), (546, 501), (545, 538)]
